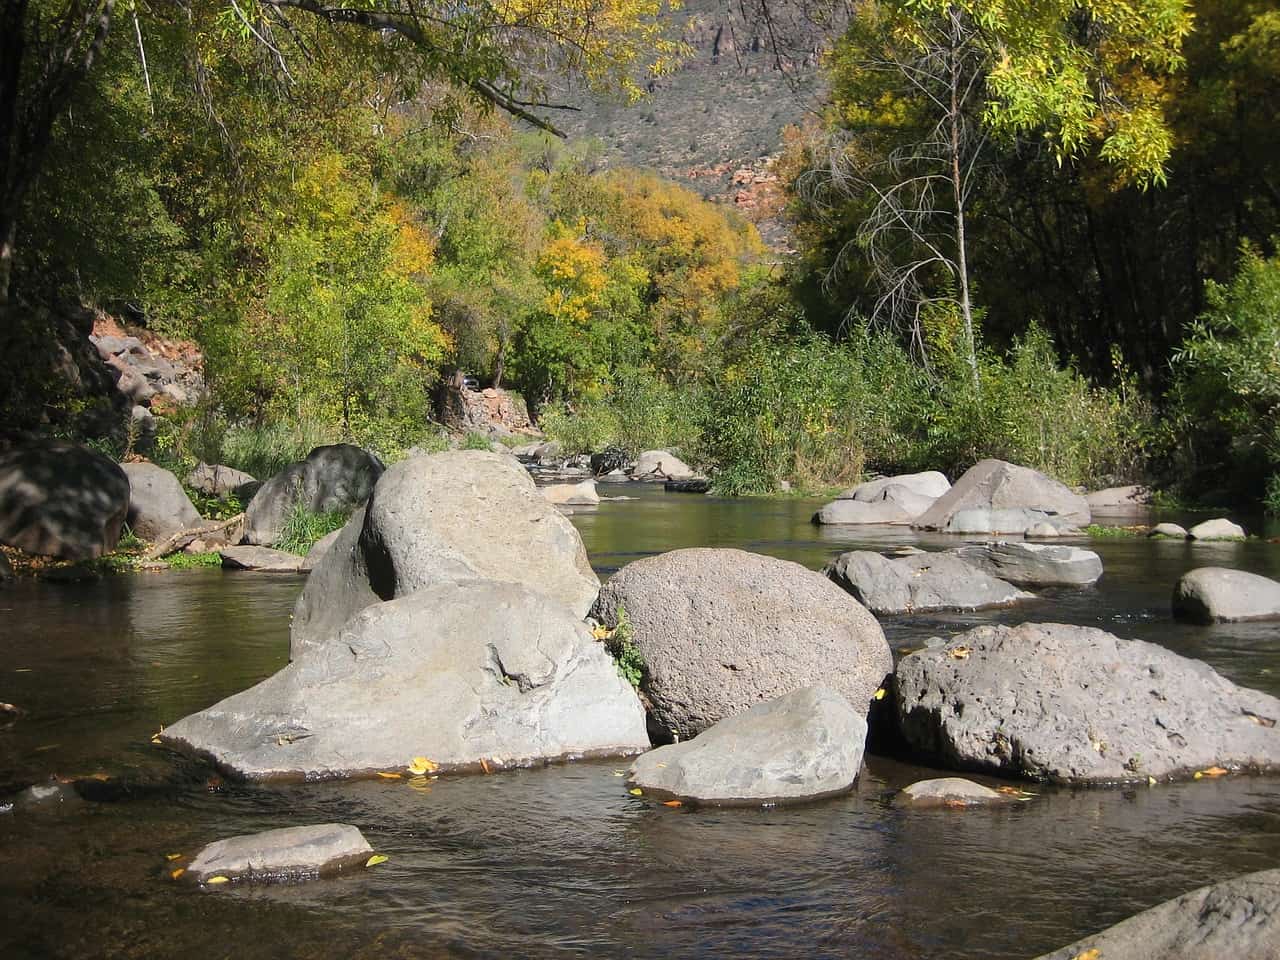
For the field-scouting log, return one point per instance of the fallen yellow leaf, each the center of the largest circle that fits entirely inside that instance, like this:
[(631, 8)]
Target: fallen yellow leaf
[(672, 803), (421, 765), (175, 874), (484, 765), (1151, 781), (173, 856), (958, 653), (376, 859), (619, 773), (602, 633), (879, 694), (636, 792), (389, 776), (216, 880), (1093, 953), (1214, 771)]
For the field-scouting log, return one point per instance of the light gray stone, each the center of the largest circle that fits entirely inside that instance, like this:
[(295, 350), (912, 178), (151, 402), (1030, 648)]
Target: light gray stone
[(1219, 528), (1042, 530), (459, 672), (1134, 496), (919, 583), (660, 465), (861, 512), (288, 854), (1168, 530), (931, 484), (215, 480), (320, 548), (1237, 919), (578, 494), (461, 514), (998, 497), (333, 478), (949, 792), (1210, 594), (1034, 564), (722, 630), (158, 506), (260, 559), (803, 745), (1048, 701)]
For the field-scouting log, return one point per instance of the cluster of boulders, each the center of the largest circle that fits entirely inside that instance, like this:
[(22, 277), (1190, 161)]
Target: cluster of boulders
[(148, 380), (548, 460)]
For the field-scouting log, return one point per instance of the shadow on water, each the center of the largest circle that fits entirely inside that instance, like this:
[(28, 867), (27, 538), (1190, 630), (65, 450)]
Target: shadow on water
[(562, 861)]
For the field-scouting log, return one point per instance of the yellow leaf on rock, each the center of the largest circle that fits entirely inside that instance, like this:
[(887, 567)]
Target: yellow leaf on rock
[(175, 874), (672, 803), (216, 880), (958, 653), (421, 765), (389, 776), (484, 765), (1214, 771), (376, 859), (173, 856), (602, 633), (636, 792), (879, 694), (1093, 953)]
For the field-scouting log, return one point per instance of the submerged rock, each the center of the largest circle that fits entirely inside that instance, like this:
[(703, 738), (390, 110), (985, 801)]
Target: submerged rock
[(1219, 528), (949, 792), (803, 745), (338, 477), (457, 515), (998, 497), (463, 673), (1237, 918), (260, 559), (722, 630), (1211, 594), (1034, 564), (158, 506), (1048, 701), (288, 854), (575, 494), (919, 583)]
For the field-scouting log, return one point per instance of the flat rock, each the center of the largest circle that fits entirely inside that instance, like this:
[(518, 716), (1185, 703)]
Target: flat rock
[(1219, 528), (1134, 496), (998, 497), (723, 630), (1048, 701), (260, 559), (859, 511), (332, 478), (1237, 919), (457, 515), (575, 494), (919, 583), (1168, 530), (216, 480), (1210, 594), (462, 672), (803, 745), (1034, 564), (660, 465), (288, 854), (949, 792), (158, 506), (931, 484)]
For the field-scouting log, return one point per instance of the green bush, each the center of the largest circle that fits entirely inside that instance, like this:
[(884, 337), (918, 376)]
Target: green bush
[(636, 410), (475, 441), (302, 528)]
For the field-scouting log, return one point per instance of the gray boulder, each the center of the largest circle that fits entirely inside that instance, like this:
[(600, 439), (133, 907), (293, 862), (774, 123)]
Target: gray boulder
[(1072, 704), (998, 497), (1119, 499), (1211, 594), (158, 506), (62, 500), (949, 792), (319, 549), (461, 514), (803, 745), (859, 511), (545, 453), (660, 465), (1238, 918), (1171, 530), (462, 673), (919, 583), (1042, 530), (723, 630), (260, 559), (1034, 564), (338, 477), (288, 854), (1219, 528), (215, 480), (931, 484), (582, 494)]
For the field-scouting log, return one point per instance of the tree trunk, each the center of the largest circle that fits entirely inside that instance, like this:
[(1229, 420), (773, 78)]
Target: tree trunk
[(957, 188)]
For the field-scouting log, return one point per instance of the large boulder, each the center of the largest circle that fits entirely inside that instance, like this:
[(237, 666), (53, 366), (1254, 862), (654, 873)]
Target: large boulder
[(919, 583), (1220, 528), (158, 506), (1237, 918), (660, 465), (804, 745), (1047, 701), (723, 630), (1210, 594), (338, 477), (216, 480), (930, 484), (467, 673), (860, 512), (1134, 497), (62, 500), (288, 854), (1034, 564), (455, 515), (998, 497)]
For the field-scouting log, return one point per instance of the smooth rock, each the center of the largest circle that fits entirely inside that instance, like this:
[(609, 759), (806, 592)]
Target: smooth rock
[(260, 559), (158, 506), (288, 854), (1048, 701), (948, 792), (1237, 919), (803, 745), (46, 796), (931, 484), (579, 494), (332, 478), (1042, 530), (461, 514), (215, 480), (459, 672), (61, 499), (320, 548), (1211, 594), (660, 465), (998, 497), (1134, 496), (1171, 530), (859, 511), (722, 630), (919, 583), (544, 453), (1219, 528), (1034, 564)]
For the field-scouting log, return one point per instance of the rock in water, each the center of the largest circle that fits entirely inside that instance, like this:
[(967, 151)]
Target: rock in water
[(1034, 564), (1219, 528), (859, 511), (919, 583), (260, 559), (660, 465), (332, 478), (801, 746), (287, 854), (62, 500), (158, 506), (949, 792), (1171, 530), (998, 497), (462, 673), (722, 630), (930, 484), (583, 493), (461, 514), (1071, 704), (1210, 594), (1237, 919)]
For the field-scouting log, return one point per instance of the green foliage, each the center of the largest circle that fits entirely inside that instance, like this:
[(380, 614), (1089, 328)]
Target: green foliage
[(1098, 531), (622, 647), (214, 507), (302, 528), (264, 449), (475, 441), (192, 561), (1271, 496), (634, 410)]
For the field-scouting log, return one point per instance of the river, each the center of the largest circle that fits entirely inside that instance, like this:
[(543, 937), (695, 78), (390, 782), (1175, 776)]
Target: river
[(561, 861)]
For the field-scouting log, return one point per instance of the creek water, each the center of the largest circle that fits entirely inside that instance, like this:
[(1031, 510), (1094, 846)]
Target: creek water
[(561, 861)]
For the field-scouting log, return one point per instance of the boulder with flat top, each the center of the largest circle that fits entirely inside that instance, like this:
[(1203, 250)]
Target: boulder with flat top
[(998, 497)]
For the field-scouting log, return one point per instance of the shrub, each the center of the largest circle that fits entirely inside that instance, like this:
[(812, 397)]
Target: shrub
[(636, 410), (302, 528)]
